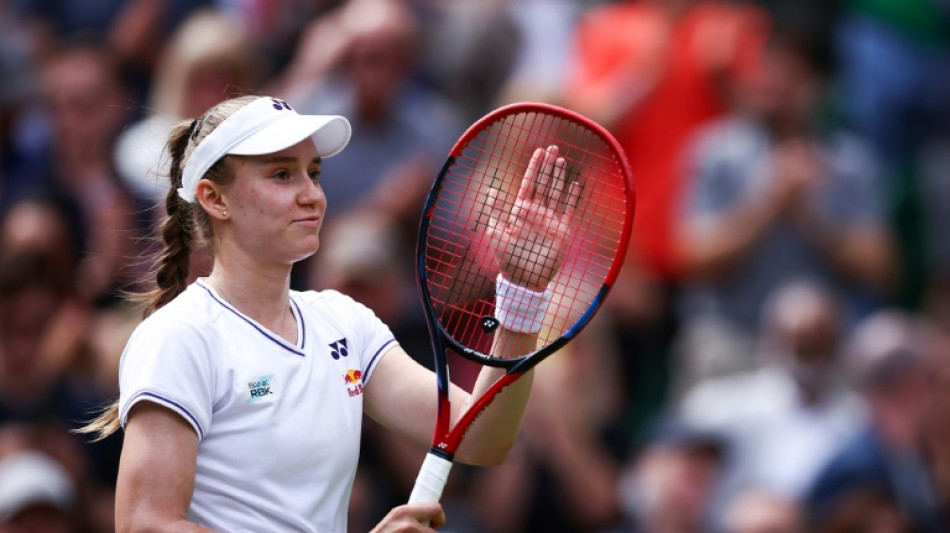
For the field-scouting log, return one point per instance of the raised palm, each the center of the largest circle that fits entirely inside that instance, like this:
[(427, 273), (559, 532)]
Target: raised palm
[(528, 237)]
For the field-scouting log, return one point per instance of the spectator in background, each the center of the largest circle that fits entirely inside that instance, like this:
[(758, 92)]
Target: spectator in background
[(274, 28), (358, 61), (84, 98), (864, 511), (45, 484), (36, 495), (19, 52), (131, 30), (785, 419), (937, 431), (668, 486), (892, 360), (562, 476), (934, 194), (32, 362), (470, 48), (42, 322), (776, 195), (48, 227), (894, 58), (640, 323), (55, 351), (652, 72), (208, 59), (760, 511), (544, 46)]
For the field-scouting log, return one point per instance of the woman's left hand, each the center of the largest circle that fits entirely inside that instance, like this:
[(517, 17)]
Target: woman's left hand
[(528, 237)]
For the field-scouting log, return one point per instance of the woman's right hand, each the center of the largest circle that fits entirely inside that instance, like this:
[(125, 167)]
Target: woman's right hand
[(529, 237), (413, 517)]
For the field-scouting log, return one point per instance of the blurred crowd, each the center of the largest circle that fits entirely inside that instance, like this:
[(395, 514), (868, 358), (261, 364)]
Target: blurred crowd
[(774, 359)]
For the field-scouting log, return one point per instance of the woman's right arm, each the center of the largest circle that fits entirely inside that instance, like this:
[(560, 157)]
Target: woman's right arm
[(156, 472)]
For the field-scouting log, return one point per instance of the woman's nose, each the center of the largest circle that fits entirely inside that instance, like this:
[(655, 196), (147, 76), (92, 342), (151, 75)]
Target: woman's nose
[(312, 192)]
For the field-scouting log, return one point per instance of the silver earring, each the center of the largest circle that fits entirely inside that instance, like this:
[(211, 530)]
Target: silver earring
[(224, 213)]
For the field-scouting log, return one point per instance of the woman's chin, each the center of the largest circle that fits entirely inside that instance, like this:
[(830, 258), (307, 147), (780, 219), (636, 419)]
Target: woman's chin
[(305, 252)]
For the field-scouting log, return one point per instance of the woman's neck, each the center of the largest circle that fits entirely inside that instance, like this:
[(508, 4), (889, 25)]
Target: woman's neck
[(262, 294)]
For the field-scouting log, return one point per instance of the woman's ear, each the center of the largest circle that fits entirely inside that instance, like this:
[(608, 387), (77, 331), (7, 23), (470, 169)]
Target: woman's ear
[(212, 201)]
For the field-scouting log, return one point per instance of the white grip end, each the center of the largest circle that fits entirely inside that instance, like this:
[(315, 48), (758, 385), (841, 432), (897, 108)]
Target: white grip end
[(431, 480)]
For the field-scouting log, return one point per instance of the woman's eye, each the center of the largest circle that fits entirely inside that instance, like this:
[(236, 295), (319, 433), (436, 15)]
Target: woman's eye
[(282, 175), (314, 174)]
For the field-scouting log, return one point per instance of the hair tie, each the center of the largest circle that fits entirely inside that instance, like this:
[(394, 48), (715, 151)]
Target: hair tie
[(193, 128)]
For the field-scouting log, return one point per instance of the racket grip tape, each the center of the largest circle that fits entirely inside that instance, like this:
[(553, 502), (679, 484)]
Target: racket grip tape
[(431, 479)]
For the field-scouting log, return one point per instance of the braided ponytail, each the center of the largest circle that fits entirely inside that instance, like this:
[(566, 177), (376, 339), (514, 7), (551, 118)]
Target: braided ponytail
[(172, 272), (185, 227), (176, 231)]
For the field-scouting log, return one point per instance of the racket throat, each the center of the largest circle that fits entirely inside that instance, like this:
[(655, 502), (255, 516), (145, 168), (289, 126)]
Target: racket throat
[(441, 452)]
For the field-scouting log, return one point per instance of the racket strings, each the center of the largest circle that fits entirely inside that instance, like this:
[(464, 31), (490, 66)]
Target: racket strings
[(460, 263)]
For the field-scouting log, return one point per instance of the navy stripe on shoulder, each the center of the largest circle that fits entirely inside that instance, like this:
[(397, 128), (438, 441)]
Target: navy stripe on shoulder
[(372, 361), (173, 403)]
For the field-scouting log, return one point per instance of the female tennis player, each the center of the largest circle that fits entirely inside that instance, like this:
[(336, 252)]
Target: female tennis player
[(241, 399)]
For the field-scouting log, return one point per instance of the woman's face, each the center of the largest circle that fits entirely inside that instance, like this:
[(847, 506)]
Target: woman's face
[(276, 205)]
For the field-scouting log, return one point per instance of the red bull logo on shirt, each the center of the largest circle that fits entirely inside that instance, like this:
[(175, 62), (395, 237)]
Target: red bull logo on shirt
[(353, 380)]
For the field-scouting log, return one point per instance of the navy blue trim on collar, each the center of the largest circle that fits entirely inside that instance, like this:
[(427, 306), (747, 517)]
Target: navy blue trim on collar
[(303, 325), (277, 339)]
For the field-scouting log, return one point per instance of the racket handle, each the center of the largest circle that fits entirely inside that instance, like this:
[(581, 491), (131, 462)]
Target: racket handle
[(431, 479)]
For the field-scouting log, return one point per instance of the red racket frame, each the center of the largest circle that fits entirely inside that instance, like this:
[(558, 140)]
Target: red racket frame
[(446, 439)]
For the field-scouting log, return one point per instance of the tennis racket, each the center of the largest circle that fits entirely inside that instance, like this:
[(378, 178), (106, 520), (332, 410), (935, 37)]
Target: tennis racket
[(513, 176)]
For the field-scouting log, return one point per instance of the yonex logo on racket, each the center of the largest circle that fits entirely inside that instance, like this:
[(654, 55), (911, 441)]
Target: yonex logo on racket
[(490, 323), (338, 349)]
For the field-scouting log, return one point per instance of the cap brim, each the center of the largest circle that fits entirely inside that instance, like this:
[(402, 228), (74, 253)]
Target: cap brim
[(32, 478), (330, 134)]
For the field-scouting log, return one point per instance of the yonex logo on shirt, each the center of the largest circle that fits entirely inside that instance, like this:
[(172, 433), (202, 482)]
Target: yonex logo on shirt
[(338, 348), (260, 388)]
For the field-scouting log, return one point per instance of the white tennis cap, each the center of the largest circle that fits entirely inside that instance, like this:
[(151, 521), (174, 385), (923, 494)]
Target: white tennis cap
[(264, 126), (32, 478)]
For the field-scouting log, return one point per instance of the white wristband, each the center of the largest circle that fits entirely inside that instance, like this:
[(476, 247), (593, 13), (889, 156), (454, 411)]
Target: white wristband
[(520, 309)]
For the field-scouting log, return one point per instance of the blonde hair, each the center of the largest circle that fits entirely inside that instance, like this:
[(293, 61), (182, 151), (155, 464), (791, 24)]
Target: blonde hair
[(206, 38), (185, 228)]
